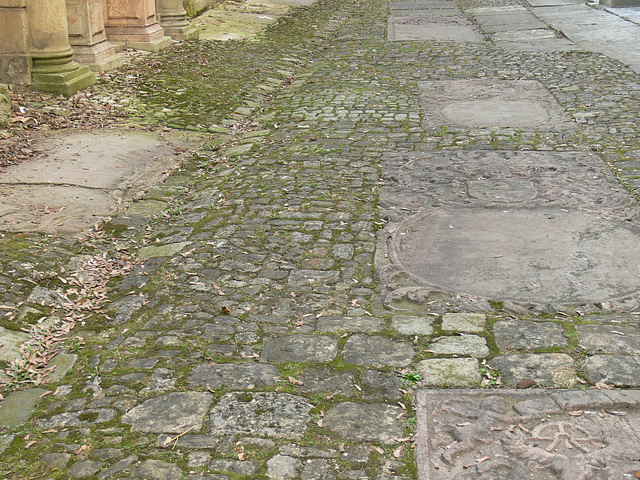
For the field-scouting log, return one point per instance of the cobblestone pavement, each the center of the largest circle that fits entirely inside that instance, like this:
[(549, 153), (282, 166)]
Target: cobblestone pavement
[(243, 332)]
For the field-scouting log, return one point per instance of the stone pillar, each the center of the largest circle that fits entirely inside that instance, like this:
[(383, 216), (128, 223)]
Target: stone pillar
[(173, 18), (52, 67), (195, 7), (15, 62), (134, 23), (87, 37)]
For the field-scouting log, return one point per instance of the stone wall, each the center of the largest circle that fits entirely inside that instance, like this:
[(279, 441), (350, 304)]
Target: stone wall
[(5, 106)]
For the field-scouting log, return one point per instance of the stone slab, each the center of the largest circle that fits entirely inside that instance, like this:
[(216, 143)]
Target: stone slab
[(236, 376), (358, 422), (545, 369), (609, 339), (412, 324), (11, 341), (171, 413), (81, 178), (486, 103), (551, 228), (18, 407), (596, 30), (299, 348), (269, 414), (476, 434), (449, 372), (464, 322), (377, 351), (466, 345), (619, 370), (435, 28), (515, 334)]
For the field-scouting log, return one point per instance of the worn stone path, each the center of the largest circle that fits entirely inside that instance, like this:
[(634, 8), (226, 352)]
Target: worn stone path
[(264, 320)]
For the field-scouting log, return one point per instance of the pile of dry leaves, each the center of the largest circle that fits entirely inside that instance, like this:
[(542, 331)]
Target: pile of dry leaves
[(83, 295)]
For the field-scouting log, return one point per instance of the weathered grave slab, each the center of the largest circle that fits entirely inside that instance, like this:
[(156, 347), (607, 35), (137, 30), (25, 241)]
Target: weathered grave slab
[(528, 228), (476, 434), (436, 28), (83, 178), (486, 103)]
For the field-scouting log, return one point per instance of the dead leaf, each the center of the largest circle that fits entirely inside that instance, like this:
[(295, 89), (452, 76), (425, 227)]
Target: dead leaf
[(601, 413), (603, 386), (81, 449), (398, 451), (241, 456), (29, 444), (377, 449), (576, 413), (295, 381)]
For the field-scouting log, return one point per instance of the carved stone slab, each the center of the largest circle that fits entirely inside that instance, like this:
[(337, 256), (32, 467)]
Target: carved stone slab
[(516, 435), (541, 228), (487, 103)]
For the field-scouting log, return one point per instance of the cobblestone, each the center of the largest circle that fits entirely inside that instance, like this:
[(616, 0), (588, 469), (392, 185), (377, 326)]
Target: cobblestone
[(262, 332)]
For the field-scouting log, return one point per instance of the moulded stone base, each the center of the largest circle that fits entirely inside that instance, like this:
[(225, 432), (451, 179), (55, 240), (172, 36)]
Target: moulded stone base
[(184, 32), (152, 46), (150, 38), (65, 82), (100, 57)]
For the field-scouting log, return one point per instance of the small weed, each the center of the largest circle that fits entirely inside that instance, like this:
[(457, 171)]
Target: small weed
[(410, 379)]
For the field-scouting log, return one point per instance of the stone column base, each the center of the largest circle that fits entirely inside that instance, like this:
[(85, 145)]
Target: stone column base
[(180, 29), (60, 75), (150, 38), (100, 57)]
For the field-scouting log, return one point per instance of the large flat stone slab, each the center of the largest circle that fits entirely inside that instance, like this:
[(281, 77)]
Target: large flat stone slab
[(487, 103), (476, 434), (436, 28), (83, 178), (532, 228)]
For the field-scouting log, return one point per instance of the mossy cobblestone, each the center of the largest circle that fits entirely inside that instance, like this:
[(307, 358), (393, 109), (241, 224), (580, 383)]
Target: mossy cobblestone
[(251, 339)]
